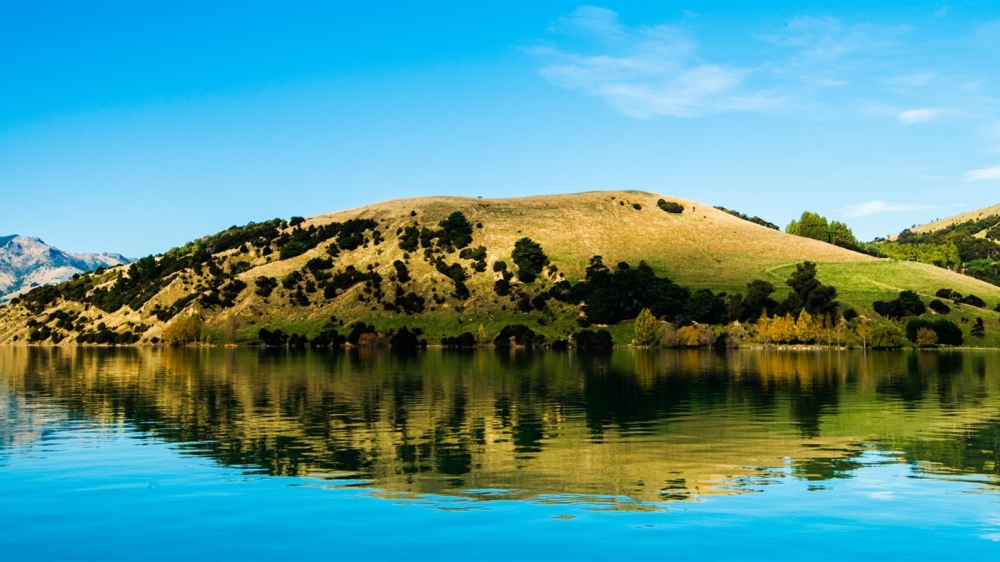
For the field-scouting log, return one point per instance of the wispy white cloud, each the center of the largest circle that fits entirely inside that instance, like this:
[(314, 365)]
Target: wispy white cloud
[(878, 207), (918, 115), (826, 68), (983, 174), (828, 38), (645, 71)]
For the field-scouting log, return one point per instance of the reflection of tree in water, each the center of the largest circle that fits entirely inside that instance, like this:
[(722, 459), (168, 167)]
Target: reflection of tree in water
[(484, 418)]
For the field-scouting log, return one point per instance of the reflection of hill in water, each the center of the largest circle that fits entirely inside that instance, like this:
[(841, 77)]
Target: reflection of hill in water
[(649, 425)]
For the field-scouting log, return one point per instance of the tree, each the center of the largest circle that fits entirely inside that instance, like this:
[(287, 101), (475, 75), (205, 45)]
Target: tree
[(979, 330), (646, 328), (481, 335), (805, 331), (764, 327), (841, 235), (758, 300), (706, 307), (906, 304), (886, 337), (291, 249), (782, 328), (183, 330), (231, 327), (810, 225), (948, 333), (457, 229), (808, 293), (529, 259), (864, 331)]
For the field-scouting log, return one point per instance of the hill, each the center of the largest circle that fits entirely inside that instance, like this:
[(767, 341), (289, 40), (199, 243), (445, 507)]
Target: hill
[(946, 222), (27, 262), (402, 263)]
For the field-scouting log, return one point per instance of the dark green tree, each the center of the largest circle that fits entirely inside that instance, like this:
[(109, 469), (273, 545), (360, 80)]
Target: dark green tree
[(810, 225), (706, 307), (457, 229), (529, 259), (757, 300), (808, 293)]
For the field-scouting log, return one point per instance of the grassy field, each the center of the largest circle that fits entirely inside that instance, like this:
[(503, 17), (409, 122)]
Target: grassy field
[(700, 248)]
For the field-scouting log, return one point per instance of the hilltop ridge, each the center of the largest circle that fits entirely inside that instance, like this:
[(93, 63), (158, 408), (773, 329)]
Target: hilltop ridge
[(973, 215)]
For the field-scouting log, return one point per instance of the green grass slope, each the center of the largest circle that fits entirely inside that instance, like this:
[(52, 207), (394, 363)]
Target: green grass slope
[(699, 248)]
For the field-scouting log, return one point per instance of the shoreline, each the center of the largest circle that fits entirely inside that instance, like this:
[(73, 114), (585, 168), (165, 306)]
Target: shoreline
[(493, 347)]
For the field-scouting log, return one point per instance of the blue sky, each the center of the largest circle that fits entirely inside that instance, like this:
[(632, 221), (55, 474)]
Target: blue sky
[(136, 126)]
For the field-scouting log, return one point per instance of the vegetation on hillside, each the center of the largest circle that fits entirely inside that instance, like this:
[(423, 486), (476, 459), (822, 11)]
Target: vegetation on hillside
[(971, 247), (748, 218), (812, 225), (403, 278)]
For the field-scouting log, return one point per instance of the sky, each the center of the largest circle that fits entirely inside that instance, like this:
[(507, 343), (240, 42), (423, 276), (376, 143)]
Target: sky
[(134, 127)]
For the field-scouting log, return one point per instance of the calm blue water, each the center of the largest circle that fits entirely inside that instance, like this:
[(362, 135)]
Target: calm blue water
[(139, 454)]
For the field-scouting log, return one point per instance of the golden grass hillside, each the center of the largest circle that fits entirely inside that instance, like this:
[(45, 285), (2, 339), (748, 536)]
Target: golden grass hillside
[(700, 248), (956, 219)]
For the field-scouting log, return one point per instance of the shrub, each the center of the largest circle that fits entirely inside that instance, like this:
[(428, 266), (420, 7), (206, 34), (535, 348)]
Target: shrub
[(926, 337), (670, 206), (406, 339), (886, 337), (291, 249), (689, 336), (972, 300), (906, 304), (591, 339), (319, 264), (948, 333), (947, 294), (291, 280), (465, 339), (637, 206), (501, 287), (939, 307), (477, 254), (402, 273), (409, 240), (517, 334)]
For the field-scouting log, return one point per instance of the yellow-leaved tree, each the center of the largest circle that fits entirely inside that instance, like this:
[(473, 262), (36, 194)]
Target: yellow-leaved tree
[(783, 328), (183, 330), (646, 328), (764, 328), (805, 331)]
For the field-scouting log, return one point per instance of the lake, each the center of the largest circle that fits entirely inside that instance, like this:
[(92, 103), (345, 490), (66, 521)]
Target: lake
[(173, 454)]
